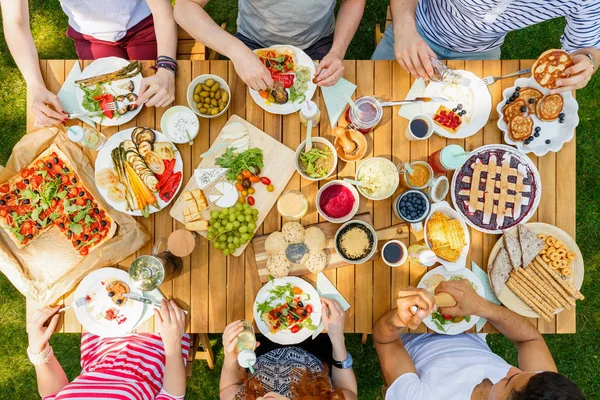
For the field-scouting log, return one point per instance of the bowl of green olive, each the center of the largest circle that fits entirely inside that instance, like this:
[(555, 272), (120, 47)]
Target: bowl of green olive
[(209, 96)]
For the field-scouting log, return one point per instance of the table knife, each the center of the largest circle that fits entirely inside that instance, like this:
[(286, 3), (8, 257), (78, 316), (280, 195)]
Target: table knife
[(415, 100), (146, 300)]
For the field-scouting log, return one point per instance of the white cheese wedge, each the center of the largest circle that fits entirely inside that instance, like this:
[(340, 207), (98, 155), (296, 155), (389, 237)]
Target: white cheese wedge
[(207, 176)]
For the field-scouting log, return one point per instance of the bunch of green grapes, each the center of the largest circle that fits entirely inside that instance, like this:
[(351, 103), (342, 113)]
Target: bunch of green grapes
[(229, 228)]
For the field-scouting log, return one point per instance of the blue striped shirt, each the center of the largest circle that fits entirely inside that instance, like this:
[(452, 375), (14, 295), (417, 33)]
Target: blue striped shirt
[(481, 25)]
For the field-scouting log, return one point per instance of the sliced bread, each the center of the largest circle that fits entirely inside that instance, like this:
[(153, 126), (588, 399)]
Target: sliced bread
[(513, 247), (500, 271), (531, 245)]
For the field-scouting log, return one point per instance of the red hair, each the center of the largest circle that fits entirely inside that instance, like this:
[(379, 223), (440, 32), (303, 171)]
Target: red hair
[(305, 385)]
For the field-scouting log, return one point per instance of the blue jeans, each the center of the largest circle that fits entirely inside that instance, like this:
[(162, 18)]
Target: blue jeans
[(385, 49)]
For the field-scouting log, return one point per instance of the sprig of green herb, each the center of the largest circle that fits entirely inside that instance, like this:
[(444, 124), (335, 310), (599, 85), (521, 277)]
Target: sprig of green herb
[(243, 161)]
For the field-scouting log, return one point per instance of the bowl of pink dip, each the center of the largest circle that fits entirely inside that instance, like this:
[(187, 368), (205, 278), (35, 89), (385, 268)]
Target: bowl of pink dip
[(337, 201)]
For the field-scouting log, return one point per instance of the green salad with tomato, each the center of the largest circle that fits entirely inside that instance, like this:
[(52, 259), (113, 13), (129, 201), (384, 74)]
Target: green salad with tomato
[(286, 308)]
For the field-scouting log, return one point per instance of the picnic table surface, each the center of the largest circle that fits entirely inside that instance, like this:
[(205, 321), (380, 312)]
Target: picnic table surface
[(218, 290)]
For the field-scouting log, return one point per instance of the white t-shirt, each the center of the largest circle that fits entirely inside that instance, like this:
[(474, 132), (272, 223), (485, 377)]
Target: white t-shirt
[(448, 367), (106, 20)]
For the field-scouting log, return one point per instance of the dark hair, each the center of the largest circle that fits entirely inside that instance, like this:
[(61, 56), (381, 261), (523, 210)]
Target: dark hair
[(548, 386)]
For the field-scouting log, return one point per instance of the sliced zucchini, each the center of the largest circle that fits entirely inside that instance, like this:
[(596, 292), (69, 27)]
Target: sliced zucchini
[(146, 134), (144, 148)]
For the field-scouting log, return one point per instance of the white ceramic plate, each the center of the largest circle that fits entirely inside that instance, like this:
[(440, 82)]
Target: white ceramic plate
[(287, 337), (476, 99), (104, 66), (557, 133), (445, 208), (87, 315), (283, 109), (524, 159), (104, 160), (514, 302), (462, 326)]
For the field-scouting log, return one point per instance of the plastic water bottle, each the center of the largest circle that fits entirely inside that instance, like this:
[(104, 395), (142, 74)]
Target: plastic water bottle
[(246, 342)]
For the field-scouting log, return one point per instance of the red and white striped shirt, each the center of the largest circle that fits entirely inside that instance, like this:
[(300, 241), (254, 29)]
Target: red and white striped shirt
[(124, 368)]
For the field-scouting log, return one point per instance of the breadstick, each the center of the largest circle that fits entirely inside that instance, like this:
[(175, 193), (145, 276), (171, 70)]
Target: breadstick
[(512, 286), (564, 283), (539, 286), (534, 289), (548, 278), (545, 286), (541, 302)]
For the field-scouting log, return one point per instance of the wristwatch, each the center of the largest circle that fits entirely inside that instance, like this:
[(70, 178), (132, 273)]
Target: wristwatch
[(347, 363), (592, 60)]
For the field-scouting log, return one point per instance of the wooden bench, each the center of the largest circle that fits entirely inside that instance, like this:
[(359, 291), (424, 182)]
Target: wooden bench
[(190, 49), (378, 31)]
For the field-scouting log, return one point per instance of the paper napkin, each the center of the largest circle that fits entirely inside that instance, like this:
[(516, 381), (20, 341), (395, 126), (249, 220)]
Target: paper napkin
[(67, 97), (155, 295), (489, 293), (410, 110), (326, 289), (335, 99)]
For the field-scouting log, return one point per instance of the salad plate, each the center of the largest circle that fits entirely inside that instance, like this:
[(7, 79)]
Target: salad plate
[(101, 315), (121, 87), (287, 310), (447, 325)]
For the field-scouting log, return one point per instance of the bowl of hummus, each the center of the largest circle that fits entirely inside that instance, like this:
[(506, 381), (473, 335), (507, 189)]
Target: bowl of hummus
[(379, 178)]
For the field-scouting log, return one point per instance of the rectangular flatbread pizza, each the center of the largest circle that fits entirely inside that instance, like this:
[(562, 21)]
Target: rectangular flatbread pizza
[(48, 194)]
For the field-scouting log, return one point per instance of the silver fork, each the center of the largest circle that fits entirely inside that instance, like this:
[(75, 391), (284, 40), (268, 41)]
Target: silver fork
[(77, 303), (490, 80)]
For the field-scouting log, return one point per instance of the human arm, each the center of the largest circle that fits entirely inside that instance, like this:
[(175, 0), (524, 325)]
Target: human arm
[(581, 37), (393, 357), (192, 17), (411, 51), (159, 89), (15, 20), (347, 22), (170, 324), (533, 351), (50, 376), (334, 319), (231, 373)]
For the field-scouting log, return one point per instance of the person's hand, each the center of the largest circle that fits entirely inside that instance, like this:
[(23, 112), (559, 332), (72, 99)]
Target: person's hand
[(334, 319), (581, 73), (412, 53), (41, 100), (39, 335), (157, 90), (170, 323), (330, 69), (251, 70), (468, 302), (410, 297), (230, 339)]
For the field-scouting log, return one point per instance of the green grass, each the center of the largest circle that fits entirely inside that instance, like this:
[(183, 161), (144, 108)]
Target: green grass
[(576, 355)]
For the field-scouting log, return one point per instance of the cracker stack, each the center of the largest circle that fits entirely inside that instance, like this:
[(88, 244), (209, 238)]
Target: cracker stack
[(532, 278), (446, 235)]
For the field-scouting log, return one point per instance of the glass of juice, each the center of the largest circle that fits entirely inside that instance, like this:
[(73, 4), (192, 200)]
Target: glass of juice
[(365, 115), (420, 177), (246, 342), (447, 159)]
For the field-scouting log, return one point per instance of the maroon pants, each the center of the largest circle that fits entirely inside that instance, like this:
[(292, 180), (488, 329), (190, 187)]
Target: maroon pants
[(139, 43)]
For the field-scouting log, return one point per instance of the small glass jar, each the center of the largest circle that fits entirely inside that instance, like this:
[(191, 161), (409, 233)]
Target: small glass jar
[(442, 73), (421, 255), (421, 178), (310, 112), (292, 204), (87, 137), (365, 115)]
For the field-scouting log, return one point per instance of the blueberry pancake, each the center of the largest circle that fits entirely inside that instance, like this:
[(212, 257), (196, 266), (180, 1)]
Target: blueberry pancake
[(513, 109), (531, 97), (520, 127), (549, 107), (116, 290)]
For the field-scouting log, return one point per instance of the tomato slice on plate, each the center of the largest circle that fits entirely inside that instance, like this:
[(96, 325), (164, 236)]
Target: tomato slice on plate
[(295, 329)]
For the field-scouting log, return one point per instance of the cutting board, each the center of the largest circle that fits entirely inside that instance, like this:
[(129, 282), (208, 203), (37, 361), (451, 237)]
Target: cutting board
[(400, 231), (279, 166)]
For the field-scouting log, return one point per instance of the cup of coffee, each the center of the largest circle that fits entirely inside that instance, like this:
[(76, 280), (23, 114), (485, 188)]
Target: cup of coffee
[(413, 207), (394, 253), (420, 127)]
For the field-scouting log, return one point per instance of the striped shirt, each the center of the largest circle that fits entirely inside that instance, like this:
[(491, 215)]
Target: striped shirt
[(124, 368), (480, 25)]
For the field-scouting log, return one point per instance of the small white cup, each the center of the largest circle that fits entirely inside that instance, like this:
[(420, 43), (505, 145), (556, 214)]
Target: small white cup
[(404, 253), (411, 136)]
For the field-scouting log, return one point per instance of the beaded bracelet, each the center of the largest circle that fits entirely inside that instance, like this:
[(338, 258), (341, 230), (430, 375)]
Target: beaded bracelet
[(42, 357), (167, 63)]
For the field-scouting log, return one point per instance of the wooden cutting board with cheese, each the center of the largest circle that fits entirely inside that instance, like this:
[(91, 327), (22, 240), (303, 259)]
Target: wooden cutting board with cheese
[(399, 231), (279, 166)]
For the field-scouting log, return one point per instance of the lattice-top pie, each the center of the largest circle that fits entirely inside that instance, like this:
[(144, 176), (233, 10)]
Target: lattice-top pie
[(496, 188)]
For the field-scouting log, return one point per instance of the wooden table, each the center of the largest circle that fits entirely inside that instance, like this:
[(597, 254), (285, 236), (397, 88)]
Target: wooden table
[(218, 290)]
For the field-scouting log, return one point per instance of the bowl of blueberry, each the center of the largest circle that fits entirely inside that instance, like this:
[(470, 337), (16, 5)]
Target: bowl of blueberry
[(413, 207), (535, 121)]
